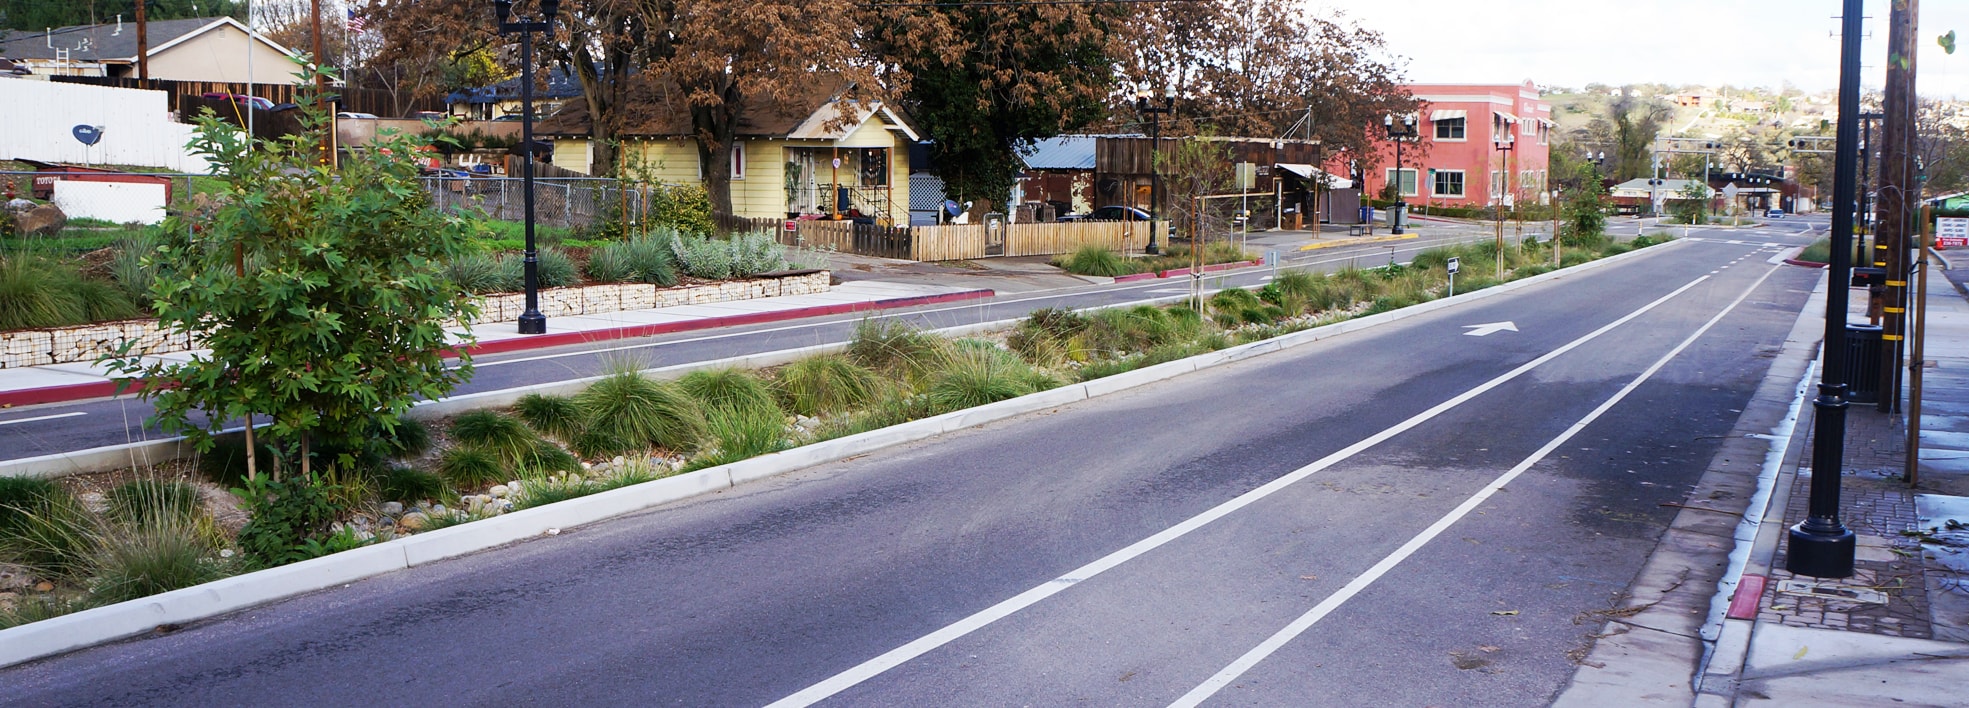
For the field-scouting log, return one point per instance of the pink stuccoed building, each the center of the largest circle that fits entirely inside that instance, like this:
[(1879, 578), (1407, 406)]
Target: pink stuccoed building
[(1475, 145)]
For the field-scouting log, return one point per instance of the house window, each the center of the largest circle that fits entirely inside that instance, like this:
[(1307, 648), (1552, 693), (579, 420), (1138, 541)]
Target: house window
[(1449, 129), (1545, 134), (1407, 180), (738, 160), (1497, 183), (1448, 183)]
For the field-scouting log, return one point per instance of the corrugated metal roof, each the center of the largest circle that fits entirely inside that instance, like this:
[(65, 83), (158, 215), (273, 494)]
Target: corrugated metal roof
[(1065, 152)]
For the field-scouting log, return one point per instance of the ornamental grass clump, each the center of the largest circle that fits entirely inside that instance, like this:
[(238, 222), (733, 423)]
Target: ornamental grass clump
[(974, 375), (147, 501), (650, 258), (895, 349), (629, 412), (730, 390), (556, 416), (825, 384), (409, 486), (1098, 260)]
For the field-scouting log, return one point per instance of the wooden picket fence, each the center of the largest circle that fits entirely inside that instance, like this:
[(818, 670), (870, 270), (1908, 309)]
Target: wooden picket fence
[(964, 241)]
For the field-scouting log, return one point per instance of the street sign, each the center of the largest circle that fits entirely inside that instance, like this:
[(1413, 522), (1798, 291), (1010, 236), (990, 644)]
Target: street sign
[(1952, 232), (1454, 265)]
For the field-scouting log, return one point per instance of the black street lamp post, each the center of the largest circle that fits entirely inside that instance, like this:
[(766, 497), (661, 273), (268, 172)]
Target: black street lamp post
[(1821, 546), (1398, 130), (1154, 109), (531, 321)]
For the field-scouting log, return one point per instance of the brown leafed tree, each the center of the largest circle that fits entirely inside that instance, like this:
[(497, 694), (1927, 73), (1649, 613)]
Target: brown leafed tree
[(731, 57), (1255, 69)]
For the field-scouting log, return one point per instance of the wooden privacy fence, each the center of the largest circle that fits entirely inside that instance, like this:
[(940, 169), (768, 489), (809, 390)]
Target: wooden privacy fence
[(856, 238), (956, 242)]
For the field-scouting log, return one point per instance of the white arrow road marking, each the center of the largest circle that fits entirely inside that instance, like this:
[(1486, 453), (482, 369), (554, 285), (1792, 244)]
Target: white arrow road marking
[(1484, 330)]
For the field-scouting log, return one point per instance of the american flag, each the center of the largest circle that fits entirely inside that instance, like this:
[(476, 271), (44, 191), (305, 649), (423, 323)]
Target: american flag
[(355, 21)]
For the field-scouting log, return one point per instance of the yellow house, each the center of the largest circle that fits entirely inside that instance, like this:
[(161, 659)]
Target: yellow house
[(822, 156)]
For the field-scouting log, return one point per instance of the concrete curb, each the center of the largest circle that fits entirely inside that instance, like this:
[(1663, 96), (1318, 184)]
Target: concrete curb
[(138, 617), (101, 389)]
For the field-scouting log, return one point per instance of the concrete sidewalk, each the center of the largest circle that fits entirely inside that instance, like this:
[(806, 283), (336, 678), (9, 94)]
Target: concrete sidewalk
[(1897, 631), (56, 383)]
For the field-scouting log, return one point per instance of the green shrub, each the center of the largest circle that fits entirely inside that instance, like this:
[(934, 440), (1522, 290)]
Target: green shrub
[(495, 433), (554, 268), (410, 438), (553, 415), (629, 412), (828, 383), (37, 293), (740, 256), (1097, 260), (742, 433), (645, 259), (730, 389), (473, 467), (285, 516), (403, 484), (1050, 336), (548, 457), (1819, 252), (477, 272), (152, 558), (127, 268), (895, 348), (20, 495), (974, 376), (152, 501), (541, 490)]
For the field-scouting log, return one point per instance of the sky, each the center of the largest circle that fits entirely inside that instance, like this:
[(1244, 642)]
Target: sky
[(1571, 43)]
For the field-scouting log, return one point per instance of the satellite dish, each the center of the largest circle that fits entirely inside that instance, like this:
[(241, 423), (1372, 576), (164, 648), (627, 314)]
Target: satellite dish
[(87, 134), (951, 207)]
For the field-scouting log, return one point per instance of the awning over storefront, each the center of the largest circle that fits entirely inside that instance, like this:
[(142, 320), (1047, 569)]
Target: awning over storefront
[(1508, 118), (1447, 114), (1308, 171)]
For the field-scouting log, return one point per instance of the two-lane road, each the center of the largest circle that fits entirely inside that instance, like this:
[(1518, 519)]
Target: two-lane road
[(1409, 514)]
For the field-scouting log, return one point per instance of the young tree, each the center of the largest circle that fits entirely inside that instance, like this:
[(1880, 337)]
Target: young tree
[(983, 82), (340, 321), (1629, 128)]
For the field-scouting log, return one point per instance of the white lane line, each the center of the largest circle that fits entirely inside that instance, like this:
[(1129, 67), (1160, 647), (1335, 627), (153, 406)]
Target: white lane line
[(924, 644), (45, 417), (1298, 626)]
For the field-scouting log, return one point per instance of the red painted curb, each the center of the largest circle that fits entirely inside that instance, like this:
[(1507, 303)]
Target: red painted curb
[(1743, 603), (99, 389), (1135, 277), (1807, 264)]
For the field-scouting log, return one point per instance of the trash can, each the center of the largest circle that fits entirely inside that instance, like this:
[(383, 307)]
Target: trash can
[(1398, 216), (1863, 351), (1367, 215)]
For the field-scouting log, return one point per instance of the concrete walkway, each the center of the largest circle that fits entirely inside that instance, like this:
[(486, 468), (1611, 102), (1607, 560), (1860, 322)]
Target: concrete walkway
[(82, 380)]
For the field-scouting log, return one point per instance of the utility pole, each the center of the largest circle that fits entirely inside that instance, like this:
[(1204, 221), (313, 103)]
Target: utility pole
[(143, 47), (320, 83), (1899, 193)]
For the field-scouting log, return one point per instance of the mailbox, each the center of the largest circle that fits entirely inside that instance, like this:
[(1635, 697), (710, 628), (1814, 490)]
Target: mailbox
[(1869, 277)]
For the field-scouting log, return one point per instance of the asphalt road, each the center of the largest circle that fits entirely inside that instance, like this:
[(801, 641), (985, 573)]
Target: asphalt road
[(1402, 515), (81, 425)]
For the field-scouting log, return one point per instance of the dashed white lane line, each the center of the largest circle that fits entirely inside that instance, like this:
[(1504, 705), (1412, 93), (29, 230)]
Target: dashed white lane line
[(923, 645), (44, 417)]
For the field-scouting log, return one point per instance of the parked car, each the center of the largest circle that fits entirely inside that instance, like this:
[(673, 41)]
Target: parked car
[(356, 116), (513, 118), (254, 102)]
